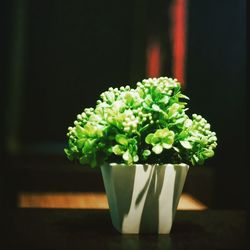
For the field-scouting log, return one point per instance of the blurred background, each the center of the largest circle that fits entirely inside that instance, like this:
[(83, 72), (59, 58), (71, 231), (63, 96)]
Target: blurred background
[(58, 56)]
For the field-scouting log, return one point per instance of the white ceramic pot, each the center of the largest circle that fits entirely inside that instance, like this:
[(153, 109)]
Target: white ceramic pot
[(143, 198)]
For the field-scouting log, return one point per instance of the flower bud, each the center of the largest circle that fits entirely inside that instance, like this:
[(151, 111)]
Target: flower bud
[(126, 129), (198, 118), (207, 126)]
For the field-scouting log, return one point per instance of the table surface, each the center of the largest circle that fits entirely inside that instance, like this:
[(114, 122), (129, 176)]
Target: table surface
[(29, 228)]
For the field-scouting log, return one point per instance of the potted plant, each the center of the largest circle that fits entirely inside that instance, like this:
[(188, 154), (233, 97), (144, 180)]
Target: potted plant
[(144, 142)]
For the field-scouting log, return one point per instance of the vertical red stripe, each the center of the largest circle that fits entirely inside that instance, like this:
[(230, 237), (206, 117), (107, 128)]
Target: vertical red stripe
[(179, 48), (153, 59)]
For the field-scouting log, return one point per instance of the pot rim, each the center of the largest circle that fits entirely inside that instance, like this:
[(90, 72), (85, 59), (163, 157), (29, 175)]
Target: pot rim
[(112, 164)]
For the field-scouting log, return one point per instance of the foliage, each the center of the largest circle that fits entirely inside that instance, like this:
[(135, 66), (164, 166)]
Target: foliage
[(147, 124)]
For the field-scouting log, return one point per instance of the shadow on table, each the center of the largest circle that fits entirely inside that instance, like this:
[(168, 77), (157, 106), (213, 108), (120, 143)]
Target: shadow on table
[(92, 229), (99, 221), (96, 224), (98, 232)]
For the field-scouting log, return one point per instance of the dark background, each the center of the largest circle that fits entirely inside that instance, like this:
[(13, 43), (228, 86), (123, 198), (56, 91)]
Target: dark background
[(58, 56)]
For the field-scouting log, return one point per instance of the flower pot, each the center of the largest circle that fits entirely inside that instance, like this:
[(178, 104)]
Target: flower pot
[(143, 198)]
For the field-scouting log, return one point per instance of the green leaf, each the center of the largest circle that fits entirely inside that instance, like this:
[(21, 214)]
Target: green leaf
[(155, 107), (141, 92), (89, 130), (88, 145), (176, 149), (171, 133), (196, 159), (117, 150), (183, 96), (208, 153), (83, 160), (169, 139), (92, 159), (122, 139), (128, 98), (204, 140), (99, 131), (186, 144), (135, 158), (165, 99), (180, 120), (80, 131), (157, 149), (146, 153), (148, 100), (80, 142), (166, 145), (68, 153), (146, 106), (173, 109), (110, 150), (162, 133), (127, 157), (148, 138), (132, 141), (155, 140), (183, 135)]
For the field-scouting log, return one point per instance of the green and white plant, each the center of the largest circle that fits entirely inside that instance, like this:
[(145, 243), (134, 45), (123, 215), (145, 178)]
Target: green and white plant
[(145, 124)]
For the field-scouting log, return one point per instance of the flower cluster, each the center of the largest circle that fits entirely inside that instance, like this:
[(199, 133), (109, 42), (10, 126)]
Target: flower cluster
[(147, 124)]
